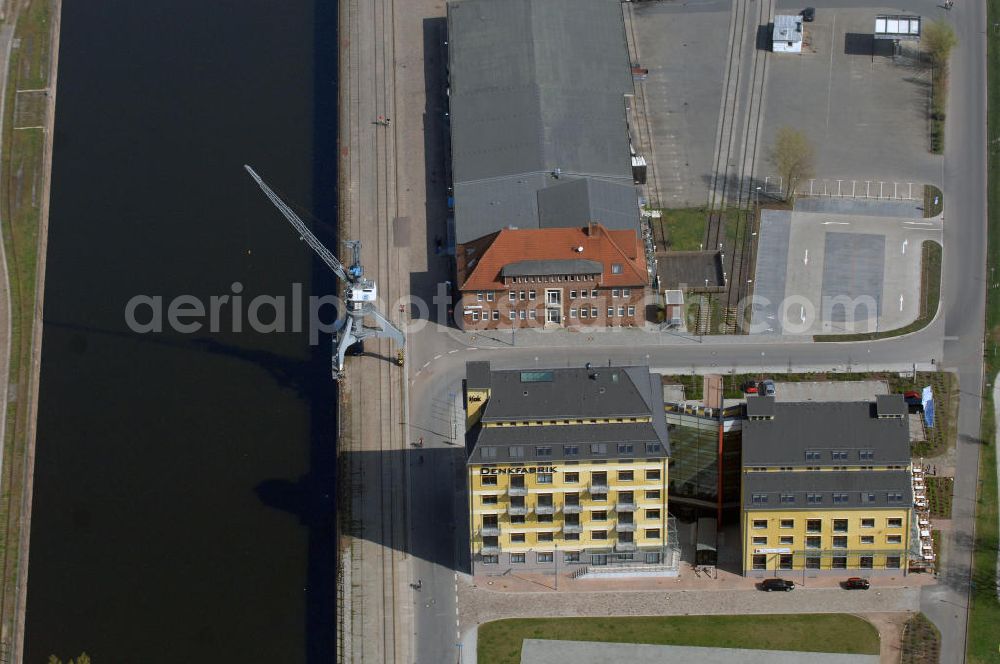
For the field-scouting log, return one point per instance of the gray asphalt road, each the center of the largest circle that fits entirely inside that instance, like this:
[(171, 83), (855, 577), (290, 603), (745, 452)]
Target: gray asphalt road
[(964, 301)]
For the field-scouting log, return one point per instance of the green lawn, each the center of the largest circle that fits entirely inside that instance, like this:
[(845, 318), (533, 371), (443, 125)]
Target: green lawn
[(684, 228), (500, 641)]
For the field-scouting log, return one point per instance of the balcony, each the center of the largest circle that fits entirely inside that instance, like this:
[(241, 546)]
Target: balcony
[(625, 506), (625, 546), (518, 510), (489, 550), (625, 526), (546, 509), (572, 528), (517, 491), (598, 486), (490, 531), (572, 509)]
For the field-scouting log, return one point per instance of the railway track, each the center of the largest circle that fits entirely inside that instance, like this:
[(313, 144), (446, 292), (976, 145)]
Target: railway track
[(732, 190), (373, 392)]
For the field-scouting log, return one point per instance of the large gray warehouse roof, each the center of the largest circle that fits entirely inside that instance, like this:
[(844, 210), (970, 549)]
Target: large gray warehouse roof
[(536, 87)]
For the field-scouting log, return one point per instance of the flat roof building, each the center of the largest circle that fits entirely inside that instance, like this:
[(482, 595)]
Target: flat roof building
[(567, 462)]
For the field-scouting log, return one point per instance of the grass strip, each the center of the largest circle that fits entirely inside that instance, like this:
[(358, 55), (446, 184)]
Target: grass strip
[(984, 610)]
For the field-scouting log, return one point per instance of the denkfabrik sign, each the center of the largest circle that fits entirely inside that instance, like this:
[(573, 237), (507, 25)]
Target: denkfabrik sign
[(517, 470)]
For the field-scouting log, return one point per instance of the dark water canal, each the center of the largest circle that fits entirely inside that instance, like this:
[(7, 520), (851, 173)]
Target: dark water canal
[(182, 508)]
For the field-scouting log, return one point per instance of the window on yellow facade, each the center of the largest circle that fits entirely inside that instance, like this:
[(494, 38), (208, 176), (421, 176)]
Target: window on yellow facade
[(625, 475), (490, 499), (760, 523), (788, 523), (653, 494), (489, 480), (894, 523), (759, 561), (571, 478), (892, 562), (653, 474), (839, 562), (652, 514), (599, 535), (813, 542), (867, 523), (517, 538), (894, 539), (866, 562), (571, 537), (652, 533), (517, 558), (840, 525), (599, 516), (786, 540), (543, 478), (812, 562), (840, 542), (814, 525), (544, 537), (867, 539), (760, 541), (785, 561)]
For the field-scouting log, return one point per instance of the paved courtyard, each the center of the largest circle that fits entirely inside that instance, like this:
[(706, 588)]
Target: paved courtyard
[(538, 651), (684, 48), (866, 115), (825, 272)]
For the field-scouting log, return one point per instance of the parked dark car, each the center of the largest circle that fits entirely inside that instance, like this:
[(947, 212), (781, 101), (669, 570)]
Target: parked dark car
[(809, 14), (856, 583), (767, 585), (766, 388)]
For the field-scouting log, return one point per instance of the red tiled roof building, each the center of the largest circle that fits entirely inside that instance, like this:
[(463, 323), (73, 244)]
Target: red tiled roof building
[(551, 277)]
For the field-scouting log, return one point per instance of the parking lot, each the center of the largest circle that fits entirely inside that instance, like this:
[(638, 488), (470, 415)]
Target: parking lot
[(684, 48), (828, 272), (866, 115)]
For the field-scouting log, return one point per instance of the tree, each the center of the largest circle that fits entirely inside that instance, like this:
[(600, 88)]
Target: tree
[(82, 659), (938, 40), (794, 158)]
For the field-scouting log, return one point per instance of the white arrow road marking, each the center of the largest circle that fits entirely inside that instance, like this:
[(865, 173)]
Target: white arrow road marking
[(836, 223), (905, 242), (806, 259), (900, 302)]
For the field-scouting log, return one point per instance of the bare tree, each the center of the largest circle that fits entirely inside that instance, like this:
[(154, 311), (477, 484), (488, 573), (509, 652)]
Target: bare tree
[(794, 158)]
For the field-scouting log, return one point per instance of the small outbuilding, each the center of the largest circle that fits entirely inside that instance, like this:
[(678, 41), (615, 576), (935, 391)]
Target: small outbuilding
[(786, 37)]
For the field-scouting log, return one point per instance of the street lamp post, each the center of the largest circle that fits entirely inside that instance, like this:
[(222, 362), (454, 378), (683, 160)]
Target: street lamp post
[(555, 563)]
